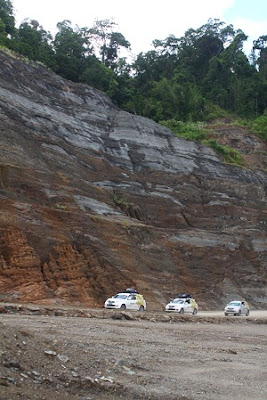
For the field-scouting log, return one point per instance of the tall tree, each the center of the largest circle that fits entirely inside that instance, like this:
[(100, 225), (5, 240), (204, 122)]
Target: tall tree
[(7, 21), (259, 52), (260, 61), (107, 42), (71, 47), (116, 41)]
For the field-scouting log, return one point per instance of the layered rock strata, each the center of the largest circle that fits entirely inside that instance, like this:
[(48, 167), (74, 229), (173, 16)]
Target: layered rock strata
[(94, 199)]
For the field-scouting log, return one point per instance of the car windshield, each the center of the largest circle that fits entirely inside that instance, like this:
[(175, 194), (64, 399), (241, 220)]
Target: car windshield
[(178, 301), (120, 296), (234, 303)]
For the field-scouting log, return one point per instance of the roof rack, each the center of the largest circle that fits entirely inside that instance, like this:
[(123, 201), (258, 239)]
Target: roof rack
[(131, 290), (184, 296)]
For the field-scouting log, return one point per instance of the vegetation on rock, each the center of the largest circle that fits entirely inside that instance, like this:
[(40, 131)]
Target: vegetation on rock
[(200, 76)]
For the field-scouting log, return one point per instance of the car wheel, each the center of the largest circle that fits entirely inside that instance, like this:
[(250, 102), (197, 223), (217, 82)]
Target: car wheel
[(195, 311), (181, 311), (123, 307), (226, 314), (247, 313), (141, 308)]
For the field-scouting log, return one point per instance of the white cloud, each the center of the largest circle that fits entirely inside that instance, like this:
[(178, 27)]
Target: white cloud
[(140, 22)]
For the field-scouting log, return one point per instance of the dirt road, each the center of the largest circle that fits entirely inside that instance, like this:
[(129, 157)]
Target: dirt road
[(97, 356), (253, 314)]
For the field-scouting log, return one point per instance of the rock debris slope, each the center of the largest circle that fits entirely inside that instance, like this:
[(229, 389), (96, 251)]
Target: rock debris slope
[(94, 199)]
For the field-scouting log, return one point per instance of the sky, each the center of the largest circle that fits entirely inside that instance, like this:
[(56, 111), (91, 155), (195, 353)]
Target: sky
[(142, 21)]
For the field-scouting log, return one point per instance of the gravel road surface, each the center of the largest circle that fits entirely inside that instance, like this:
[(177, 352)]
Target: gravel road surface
[(101, 354)]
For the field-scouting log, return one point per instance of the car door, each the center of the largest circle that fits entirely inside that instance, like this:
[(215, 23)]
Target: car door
[(131, 302), (187, 306), (243, 308)]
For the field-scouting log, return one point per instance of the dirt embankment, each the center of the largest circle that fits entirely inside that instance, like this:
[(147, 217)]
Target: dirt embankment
[(89, 354)]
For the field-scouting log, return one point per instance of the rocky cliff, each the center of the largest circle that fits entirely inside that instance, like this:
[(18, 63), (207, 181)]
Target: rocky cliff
[(94, 199)]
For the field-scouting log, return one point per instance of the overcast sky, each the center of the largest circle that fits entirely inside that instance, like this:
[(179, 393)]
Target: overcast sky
[(142, 21)]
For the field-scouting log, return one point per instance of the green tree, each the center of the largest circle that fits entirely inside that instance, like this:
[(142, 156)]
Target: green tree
[(97, 74), (259, 54), (6, 15), (7, 21), (71, 47), (116, 41), (34, 42), (107, 41), (2, 32)]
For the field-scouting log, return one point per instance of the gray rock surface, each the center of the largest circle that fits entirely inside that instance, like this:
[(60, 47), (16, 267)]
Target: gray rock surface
[(86, 189)]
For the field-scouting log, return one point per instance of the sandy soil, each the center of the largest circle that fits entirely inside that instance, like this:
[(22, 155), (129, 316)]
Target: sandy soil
[(100, 354)]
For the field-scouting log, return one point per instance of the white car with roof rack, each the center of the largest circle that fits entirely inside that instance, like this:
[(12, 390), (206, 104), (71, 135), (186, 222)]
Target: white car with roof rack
[(130, 299), (183, 303)]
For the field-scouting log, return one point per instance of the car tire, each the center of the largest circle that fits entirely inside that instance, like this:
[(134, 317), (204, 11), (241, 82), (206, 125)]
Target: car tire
[(194, 311), (226, 314), (181, 311), (123, 307), (141, 308)]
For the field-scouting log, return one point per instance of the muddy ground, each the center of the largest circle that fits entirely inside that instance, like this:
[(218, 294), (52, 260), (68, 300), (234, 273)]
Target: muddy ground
[(74, 354)]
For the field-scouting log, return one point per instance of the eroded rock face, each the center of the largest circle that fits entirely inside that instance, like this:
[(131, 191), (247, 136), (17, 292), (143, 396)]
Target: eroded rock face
[(94, 199)]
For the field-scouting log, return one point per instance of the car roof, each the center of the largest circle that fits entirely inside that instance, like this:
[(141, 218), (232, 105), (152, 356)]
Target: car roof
[(182, 298), (237, 301), (129, 293)]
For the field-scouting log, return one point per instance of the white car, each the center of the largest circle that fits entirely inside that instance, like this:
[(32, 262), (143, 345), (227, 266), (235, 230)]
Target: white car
[(182, 305), (126, 300), (237, 307)]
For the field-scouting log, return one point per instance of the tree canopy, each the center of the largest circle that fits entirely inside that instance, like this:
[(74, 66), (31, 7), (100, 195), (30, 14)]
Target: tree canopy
[(201, 75)]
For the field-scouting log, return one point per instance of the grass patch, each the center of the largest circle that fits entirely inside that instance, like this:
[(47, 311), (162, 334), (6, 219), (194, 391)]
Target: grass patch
[(230, 155), (260, 126), (186, 130), (61, 207), (120, 202)]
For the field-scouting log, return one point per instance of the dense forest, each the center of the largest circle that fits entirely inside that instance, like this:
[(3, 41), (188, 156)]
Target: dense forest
[(198, 77)]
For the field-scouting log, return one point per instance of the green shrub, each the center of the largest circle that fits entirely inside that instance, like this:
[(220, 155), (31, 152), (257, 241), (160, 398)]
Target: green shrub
[(187, 130), (61, 206), (214, 111), (231, 156), (120, 201), (243, 122), (260, 126)]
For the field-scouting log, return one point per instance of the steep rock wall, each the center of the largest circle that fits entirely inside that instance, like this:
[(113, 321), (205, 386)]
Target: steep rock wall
[(94, 199)]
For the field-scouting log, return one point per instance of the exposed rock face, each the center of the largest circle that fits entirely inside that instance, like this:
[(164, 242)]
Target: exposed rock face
[(94, 200)]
